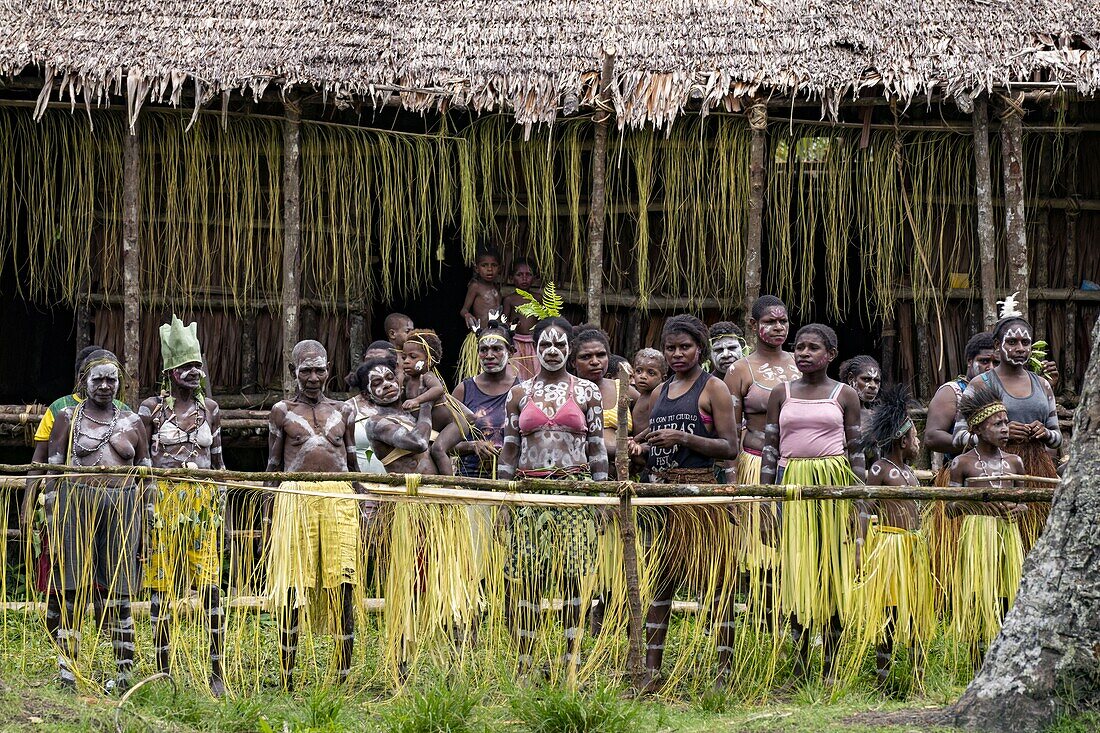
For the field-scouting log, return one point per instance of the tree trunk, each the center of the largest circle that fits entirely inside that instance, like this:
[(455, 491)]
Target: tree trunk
[(1046, 660), (758, 121), (292, 235), (597, 206), (983, 196), (1012, 156), (131, 265)]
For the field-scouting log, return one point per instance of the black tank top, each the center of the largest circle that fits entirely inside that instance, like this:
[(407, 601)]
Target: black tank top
[(683, 414)]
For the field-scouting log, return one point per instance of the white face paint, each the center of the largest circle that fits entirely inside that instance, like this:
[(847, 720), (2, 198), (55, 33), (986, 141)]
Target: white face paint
[(102, 382), (383, 386), (492, 353), (1016, 345), (726, 351), (420, 366), (552, 349)]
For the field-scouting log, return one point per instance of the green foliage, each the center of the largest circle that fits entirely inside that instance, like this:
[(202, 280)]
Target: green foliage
[(556, 710), (549, 307), (437, 709)]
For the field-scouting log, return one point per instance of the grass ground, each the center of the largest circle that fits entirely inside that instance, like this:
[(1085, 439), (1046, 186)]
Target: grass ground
[(465, 699)]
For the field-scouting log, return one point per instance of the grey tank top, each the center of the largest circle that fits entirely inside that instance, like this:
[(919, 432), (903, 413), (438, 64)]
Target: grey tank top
[(1034, 407)]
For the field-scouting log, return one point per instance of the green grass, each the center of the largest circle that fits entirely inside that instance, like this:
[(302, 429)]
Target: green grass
[(474, 695)]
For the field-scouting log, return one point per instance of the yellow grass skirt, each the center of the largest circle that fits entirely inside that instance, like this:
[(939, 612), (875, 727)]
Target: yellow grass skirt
[(1037, 462), (757, 522), (468, 364), (896, 574), (942, 532), (986, 576), (816, 547)]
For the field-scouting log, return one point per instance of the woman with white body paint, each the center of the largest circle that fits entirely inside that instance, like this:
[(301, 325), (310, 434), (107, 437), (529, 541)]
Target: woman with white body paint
[(1033, 430), (554, 430), (96, 525), (184, 428)]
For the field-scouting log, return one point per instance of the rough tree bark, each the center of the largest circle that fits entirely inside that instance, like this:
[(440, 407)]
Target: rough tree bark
[(597, 205), (1046, 660)]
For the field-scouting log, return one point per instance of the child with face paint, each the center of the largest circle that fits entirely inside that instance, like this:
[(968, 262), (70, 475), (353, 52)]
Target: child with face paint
[(649, 371), (524, 361), (554, 429), (943, 413), (482, 296), (813, 438), (988, 567), (750, 381), (690, 428), (726, 347), (1033, 430), (96, 525), (892, 600), (419, 357), (184, 428)]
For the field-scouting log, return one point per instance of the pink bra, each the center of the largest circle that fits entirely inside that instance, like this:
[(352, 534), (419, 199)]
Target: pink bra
[(569, 418)]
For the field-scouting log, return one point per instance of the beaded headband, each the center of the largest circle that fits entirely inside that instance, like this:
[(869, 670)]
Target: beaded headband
[(984, 414)]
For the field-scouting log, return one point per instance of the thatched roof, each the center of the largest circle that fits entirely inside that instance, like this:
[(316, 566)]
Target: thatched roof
[(538, 58)]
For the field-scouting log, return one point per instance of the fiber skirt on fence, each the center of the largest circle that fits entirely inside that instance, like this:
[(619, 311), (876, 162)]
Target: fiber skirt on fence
[(816, 547), (986, 577)]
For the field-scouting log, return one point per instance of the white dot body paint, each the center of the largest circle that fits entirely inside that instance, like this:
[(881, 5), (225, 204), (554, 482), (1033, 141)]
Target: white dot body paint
[(420, 366)]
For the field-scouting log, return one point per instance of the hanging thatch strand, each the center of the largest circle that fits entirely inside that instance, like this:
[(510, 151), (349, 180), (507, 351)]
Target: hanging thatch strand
[(538, 59)]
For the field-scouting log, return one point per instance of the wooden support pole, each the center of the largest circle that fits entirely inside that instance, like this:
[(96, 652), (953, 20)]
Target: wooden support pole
[(1073, 277), (1012, 155), (758, 121), (924, 361), (357, 334), (1042, 252), (292, 238), (131, 264), (987, 243), (82, 322), (597, 209), (889, 349), (248, 350), (635, 659)]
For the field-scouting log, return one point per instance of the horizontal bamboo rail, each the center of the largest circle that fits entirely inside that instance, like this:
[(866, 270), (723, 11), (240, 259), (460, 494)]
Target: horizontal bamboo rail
[(571, 486)]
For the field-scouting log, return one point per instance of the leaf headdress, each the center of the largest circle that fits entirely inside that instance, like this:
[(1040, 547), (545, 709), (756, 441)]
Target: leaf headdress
[(549, 307)]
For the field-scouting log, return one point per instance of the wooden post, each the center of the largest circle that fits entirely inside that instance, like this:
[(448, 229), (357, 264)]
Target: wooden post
[(597, 205), (889, 349), (1073, 277), (1012, 154), (758, 121), (83, 324), (357, 333), (131, 265), (628, 532), (1042, 252), (248, 350), (983, 197), (292, 237), (924, 360)]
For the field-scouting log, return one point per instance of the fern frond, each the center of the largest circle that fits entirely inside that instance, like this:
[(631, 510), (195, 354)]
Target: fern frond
[(550, 306)]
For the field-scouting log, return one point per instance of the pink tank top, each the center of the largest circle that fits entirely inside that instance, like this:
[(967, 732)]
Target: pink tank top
[(569, 418), (811, 428)]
